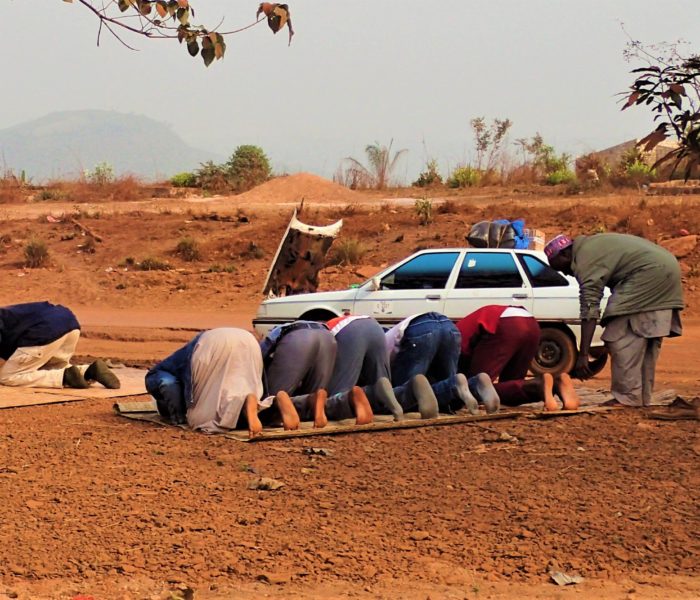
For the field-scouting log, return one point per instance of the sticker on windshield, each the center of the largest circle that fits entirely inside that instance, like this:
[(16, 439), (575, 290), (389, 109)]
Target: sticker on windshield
[(471, 263)]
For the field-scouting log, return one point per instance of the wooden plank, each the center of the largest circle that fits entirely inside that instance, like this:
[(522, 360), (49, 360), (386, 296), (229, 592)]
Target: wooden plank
[(584, 410), (338, 429), (137, 411), (36, 400)]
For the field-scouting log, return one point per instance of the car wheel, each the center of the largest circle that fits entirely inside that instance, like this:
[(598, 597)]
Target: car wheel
[(318, 315), (556, 353), (600, 359)]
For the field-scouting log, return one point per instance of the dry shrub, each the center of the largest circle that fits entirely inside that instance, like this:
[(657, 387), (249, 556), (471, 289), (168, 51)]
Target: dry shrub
[(523, 174), (253, 251), (36, 254), (127, 188), (188, 249), (11, 190), (347, 252), (153, 264), (122, 189), (348, 210), (447, 207)]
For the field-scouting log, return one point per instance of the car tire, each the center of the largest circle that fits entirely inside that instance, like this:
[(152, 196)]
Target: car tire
[(599, 358), (556, 353)]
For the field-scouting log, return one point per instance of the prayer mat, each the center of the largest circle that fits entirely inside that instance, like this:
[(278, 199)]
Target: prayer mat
[(146, 411), (591, 401), (132, 384)]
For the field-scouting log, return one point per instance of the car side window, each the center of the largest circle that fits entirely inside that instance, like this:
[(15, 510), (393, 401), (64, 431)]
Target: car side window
[(489, 270), (540, 273), (425, 272)]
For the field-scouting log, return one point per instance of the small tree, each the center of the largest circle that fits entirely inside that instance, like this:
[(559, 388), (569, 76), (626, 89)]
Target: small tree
[(380, 164), (431, 175), (247, 167), (670, 87), (551, 167), (101, 174), (489, 141)]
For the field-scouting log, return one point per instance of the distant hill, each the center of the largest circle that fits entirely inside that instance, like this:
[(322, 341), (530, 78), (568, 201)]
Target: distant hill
[(64, 144)]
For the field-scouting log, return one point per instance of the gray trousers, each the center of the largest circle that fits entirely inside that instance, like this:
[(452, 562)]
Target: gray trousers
[(302, 363), (633, 365), (362, 357)]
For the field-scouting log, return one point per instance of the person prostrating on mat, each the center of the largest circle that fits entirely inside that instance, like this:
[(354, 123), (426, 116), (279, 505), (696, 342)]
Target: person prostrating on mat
[(37, 342)]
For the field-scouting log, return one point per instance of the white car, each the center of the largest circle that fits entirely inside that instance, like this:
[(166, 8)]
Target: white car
[(456, 282)]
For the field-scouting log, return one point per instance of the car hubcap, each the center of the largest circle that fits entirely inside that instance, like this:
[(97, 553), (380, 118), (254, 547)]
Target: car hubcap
[(549, 354)]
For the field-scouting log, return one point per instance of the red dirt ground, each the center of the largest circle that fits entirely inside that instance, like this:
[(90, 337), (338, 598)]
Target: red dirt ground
[(97, 505)]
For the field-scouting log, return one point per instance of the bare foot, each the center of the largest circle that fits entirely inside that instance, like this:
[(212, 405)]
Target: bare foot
[(290, 417), (567, 393), (251, 412), (363, 411), (550, 403), (318, 403)]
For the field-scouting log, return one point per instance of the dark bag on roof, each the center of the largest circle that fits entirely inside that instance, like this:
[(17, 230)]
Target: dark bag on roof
[(492, 234)]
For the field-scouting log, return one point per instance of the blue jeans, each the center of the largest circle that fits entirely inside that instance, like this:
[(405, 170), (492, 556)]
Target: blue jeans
[(167, 391), (430, 346)]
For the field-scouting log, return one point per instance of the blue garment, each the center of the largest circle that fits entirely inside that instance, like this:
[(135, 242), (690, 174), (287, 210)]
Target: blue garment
[(445, 393), (33, 324), (521, 239), (170, 381), (430, 346)]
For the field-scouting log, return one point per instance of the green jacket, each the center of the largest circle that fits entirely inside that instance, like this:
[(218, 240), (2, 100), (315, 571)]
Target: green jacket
[(641, 275)]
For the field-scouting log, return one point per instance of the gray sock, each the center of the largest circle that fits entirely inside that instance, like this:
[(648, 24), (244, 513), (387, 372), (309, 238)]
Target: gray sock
[(424, 396), (482, 388), (383, 394), (462, 392)]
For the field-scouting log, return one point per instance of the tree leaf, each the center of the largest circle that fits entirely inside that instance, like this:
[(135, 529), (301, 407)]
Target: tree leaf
[(631, 100), (653, 139), (183, 3), (193, 47), (219, 49), (172, 8), (161, 8), (123, 5), (677, 88), (208, 55), (183, 15)]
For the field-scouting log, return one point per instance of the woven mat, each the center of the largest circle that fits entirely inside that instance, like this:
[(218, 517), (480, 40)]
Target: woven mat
[(146, 411), (132, 381)]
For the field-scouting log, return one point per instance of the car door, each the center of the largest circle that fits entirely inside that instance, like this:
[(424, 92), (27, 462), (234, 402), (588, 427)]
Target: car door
[(487, 277), (415, 286), (554, 296)]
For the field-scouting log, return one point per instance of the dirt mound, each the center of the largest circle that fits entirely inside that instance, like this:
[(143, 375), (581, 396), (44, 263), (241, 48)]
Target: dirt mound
[(294, 188)]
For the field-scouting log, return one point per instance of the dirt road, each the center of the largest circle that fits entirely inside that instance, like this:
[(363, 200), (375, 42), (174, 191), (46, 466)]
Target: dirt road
[(95, 504)]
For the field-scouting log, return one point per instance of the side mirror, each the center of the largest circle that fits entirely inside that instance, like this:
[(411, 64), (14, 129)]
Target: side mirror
[(376, 284)]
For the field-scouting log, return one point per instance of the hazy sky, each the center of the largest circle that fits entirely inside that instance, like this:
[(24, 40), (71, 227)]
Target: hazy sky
[(358, 71)]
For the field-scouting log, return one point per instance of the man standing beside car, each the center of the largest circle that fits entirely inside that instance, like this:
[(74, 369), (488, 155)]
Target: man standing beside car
[(644, 307)]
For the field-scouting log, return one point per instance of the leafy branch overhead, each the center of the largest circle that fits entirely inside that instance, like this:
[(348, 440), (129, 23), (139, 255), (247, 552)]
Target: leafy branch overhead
[(670, 88), (170, 19)]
